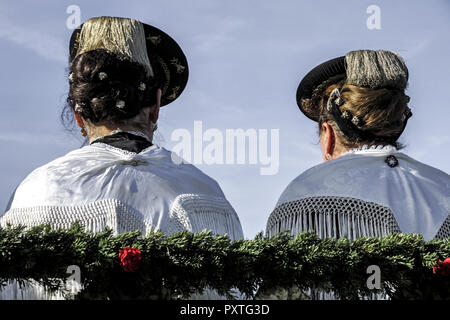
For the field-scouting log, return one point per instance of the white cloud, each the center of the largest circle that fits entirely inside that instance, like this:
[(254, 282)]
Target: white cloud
[(40, 42)]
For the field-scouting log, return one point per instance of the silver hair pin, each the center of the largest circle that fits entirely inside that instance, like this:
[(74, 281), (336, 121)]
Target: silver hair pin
[(334, 95), (346, 115), (120, 104), (356, 121), (102, 75), (142, 86), (78, 108), (70, 77)]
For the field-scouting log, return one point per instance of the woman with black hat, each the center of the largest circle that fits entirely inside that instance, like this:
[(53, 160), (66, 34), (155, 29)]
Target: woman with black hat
[(121, 72), (365, 187)]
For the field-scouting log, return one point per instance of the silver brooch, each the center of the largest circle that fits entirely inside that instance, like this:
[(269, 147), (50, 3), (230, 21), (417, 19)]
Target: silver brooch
[(142, 86), (391, 161), (102, 75), (120, 104), (346, 115), (356, 121)]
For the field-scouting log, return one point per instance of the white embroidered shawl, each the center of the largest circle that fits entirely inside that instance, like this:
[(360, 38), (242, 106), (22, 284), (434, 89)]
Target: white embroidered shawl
[(100, 185), (358, 194)]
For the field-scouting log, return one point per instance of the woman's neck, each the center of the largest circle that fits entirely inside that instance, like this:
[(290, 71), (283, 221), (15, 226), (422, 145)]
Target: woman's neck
[(98, 132)]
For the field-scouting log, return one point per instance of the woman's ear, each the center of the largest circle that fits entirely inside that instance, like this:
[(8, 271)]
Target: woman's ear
[(327, 141), (79, 120)]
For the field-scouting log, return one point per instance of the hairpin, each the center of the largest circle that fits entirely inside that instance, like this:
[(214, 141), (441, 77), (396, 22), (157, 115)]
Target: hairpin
[(79, 107), (356, 120), (329, 106), (142, 86), (120, 104), (102, 75), (346, 115), (334, 95), (70, 77)]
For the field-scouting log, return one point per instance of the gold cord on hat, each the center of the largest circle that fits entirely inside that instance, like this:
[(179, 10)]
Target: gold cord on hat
[(122, 36)]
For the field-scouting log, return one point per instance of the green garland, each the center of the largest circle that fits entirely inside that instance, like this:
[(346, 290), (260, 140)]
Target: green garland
[(184, 263)]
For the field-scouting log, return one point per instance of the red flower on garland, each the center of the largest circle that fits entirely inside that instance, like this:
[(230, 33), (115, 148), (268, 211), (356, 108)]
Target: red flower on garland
[(442, 267), (130, 259)]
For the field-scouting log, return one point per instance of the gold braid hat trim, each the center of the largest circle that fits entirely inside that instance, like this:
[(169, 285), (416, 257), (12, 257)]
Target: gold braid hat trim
[(123, 36)]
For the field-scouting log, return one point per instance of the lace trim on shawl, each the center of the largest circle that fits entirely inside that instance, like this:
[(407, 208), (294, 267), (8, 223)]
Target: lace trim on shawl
[(95, 217), (189, 212), (31, 291), (333, 217), (196, 212), (444, 231)]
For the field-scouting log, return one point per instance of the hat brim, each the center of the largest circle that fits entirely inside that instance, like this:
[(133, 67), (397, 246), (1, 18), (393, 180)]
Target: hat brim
[(168, 61), (314, 78)]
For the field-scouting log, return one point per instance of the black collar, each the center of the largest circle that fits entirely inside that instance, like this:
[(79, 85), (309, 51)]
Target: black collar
[(125, 141)]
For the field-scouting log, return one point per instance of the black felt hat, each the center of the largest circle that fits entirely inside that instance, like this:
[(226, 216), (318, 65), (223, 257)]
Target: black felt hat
[(315, 77), (168, 62), (364, 68)]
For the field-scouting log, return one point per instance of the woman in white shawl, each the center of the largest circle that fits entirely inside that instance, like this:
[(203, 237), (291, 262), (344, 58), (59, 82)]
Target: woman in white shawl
[(366, 186), (121, 72)]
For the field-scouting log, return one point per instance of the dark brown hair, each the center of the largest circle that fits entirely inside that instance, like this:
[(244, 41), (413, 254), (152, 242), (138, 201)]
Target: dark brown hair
[(95, 96)]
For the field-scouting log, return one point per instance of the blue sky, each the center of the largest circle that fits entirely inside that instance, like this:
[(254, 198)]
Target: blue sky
[(246, 59)]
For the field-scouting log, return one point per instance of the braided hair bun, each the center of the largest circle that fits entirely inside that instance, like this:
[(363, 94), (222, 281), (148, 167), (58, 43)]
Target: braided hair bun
[(105, 87)]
